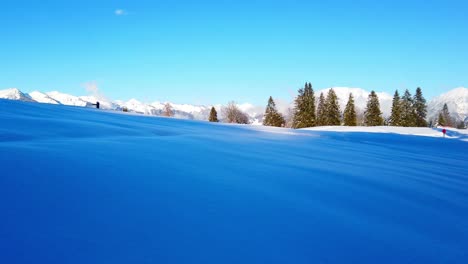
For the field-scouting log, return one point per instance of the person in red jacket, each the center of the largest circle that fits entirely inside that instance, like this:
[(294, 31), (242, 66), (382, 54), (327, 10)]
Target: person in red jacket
[(444, 131)]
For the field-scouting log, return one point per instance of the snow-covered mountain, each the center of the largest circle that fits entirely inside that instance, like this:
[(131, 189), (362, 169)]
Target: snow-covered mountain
[(184, 111), (67, 99), (457, 103), (15, 94), (456, 99), (42, 98)]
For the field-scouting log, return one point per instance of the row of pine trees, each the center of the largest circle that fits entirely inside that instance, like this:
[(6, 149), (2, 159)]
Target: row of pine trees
[(328, 112), (407, 111)]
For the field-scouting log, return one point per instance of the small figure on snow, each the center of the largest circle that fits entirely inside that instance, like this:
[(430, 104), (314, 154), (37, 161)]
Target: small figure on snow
[(444, 131)]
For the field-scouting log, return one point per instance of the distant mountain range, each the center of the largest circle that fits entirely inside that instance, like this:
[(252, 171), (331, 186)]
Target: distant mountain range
[(456, 100)]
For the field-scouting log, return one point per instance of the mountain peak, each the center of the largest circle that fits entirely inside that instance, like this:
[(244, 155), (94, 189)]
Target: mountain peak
[(15, 94), (456, 100)]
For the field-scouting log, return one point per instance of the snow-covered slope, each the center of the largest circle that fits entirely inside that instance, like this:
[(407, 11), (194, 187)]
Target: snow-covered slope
[(66, 99), (461, 134), (134, 105), (42, 98), (15, 94), (457, 103), (79, 185), (360, 99)]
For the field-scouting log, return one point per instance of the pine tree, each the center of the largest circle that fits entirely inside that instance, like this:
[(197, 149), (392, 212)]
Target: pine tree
[(349, 114), (408, 115), (321, 111), (272, 117), (333, 113), (444, 117), (304, 112), (213, 115), (372, 114), (395, 117), (441, 120), (420, 108)]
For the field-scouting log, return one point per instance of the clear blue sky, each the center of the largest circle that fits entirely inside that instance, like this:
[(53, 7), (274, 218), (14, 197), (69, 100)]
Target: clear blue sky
[(216, 51)]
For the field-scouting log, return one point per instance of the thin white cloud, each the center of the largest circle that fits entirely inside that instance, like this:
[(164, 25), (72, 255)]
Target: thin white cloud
[(93, 89), (120, 12)]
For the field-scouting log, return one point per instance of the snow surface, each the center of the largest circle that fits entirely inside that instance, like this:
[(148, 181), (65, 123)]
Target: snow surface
[(453, 133), (81, 185), (42, 98)]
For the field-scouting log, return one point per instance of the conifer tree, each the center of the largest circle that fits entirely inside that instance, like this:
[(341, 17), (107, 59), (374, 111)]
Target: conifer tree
[(349, 114), (395, 117), (444, 117), (321, 111), (333, 113), (272, 117), (420, 108), (372, 114), (304, 115), (213, 115), (408, 116), (441, 120)]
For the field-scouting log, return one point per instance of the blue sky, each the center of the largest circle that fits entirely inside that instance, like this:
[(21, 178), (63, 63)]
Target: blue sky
[(207, 52)]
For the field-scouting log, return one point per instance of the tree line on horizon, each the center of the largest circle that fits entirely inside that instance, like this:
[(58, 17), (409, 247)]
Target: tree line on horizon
[(407, 111)]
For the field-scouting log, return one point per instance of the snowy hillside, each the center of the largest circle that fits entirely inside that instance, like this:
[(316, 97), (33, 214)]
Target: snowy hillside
[(66, 99), (461, 134), (360, 99), (80, 185), (457, 103), (42, 98), (14, 94)]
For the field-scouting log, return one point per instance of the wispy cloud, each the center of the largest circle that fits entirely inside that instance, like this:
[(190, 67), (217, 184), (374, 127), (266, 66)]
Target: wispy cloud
[(120, 12), (93, 89)]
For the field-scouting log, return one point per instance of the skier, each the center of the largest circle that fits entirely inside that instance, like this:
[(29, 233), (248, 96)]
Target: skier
[(444, 131)]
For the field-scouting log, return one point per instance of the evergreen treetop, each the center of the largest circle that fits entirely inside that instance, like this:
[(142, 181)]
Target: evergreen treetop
[(333, 113), (213, 115), (408, 115), (272, 117), (372, 114), (395, 117), (420, 108), (349, 115), (321, 111), (304, 115), (444, 117)]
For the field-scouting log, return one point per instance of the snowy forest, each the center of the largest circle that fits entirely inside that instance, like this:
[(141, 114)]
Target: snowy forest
[(310, 111)]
